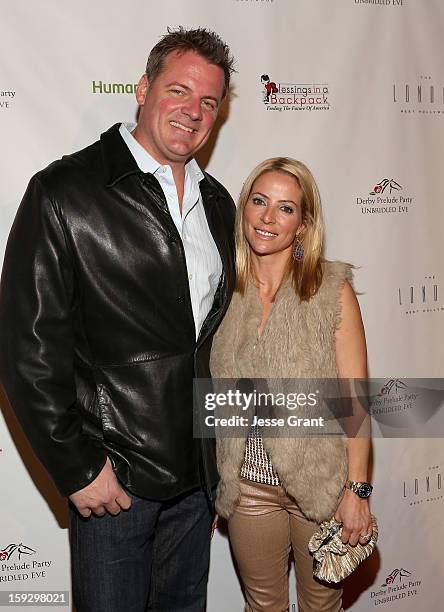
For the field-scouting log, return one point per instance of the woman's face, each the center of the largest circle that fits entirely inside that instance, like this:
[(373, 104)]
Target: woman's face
[(273, 213)]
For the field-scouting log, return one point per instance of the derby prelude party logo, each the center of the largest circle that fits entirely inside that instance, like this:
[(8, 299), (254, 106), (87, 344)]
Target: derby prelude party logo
[(399, 584), (396, 574), (393, 385), (398, 3), (382, 186), (17, 563), (387, 199), (15, 550), (6, 98), (285, 96)]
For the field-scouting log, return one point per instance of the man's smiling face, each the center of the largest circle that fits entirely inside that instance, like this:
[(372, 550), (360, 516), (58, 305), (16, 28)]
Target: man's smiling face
[(178, 109)]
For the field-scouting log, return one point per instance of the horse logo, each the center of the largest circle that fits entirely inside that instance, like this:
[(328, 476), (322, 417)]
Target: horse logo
[(394, 384), (19, 550), (382, 186)]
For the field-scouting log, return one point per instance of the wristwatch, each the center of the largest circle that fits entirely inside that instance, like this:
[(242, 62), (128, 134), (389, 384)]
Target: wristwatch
[(362, 489)]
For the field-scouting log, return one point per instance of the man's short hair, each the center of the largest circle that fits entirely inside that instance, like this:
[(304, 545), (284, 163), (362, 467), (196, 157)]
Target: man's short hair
[(204, 42)]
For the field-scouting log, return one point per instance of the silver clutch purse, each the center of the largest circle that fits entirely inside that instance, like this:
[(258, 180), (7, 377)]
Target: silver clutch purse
[(332, 560)]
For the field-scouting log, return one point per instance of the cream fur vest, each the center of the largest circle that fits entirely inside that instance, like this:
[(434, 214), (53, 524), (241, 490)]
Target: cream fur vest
[(298, 341)]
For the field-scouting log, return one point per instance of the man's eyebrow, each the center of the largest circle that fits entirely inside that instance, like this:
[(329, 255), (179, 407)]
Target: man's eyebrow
[(208, 97), (179, 84)]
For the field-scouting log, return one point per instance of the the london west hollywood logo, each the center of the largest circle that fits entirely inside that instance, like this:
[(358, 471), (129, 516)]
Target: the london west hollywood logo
[(423, 488), (421, 297), (421, 96), (385, 197), (293, 96)]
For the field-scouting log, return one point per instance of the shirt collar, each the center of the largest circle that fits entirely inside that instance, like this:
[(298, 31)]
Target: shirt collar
[(146, 162)]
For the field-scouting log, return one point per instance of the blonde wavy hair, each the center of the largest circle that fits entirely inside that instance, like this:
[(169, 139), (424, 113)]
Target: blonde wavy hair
[(307, 273)]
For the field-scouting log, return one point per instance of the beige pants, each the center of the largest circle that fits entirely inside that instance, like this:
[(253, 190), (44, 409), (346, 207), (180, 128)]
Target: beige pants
[(265, 525)]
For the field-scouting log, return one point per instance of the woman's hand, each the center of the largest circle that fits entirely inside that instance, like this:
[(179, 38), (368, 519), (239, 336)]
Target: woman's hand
[(354, 514), (351, 357)]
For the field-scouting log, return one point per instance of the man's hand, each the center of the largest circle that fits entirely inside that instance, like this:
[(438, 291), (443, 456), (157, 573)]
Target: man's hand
[(103, 494)]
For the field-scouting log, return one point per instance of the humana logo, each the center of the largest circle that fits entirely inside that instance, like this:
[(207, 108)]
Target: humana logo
[(98, 87)]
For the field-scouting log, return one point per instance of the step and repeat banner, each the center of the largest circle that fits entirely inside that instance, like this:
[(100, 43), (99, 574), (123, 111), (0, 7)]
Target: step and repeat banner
[(355, 89)]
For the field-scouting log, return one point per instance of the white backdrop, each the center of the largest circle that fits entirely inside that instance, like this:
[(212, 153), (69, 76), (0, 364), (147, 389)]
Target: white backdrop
[(376, 126)]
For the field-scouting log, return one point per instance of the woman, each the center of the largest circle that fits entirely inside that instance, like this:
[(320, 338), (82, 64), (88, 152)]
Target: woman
[(293, 315)]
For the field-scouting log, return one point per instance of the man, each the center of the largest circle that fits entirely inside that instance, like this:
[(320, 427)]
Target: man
[(118, 269)]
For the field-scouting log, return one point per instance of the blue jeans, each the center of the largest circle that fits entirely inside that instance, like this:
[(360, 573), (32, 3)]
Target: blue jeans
[(154, 556)]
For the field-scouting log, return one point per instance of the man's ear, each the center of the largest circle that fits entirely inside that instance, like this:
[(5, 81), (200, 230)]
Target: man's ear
[(142, 89)]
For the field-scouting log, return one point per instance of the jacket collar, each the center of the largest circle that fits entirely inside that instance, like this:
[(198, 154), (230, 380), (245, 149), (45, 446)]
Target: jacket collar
[(146, 162), (118, 162)]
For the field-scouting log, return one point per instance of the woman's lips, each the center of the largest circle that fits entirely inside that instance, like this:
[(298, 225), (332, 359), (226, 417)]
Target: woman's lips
[(265, 233)]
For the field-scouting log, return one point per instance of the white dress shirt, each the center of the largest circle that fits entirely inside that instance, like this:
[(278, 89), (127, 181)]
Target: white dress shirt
[(202, 257)]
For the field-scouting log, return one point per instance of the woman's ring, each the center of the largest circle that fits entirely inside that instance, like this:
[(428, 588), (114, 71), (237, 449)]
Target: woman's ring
[(366, 536)]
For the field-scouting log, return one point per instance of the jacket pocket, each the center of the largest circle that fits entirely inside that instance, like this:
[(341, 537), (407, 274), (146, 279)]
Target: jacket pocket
[(147, 407), (105, 410), (87, 393)]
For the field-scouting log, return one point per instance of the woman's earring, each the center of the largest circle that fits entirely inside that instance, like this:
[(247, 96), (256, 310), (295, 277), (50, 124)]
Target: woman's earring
[(298, 249)]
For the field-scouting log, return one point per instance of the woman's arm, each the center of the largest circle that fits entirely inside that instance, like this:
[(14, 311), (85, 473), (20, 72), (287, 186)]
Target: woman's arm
[(351, 357)]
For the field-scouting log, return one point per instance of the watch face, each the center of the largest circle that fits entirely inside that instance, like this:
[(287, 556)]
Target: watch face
[(365, 490)]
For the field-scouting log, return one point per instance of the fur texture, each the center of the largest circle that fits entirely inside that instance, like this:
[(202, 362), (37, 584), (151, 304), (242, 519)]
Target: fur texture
[(298, 341)]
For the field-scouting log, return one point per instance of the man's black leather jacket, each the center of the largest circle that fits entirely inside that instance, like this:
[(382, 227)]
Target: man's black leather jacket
[(98, 347)]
